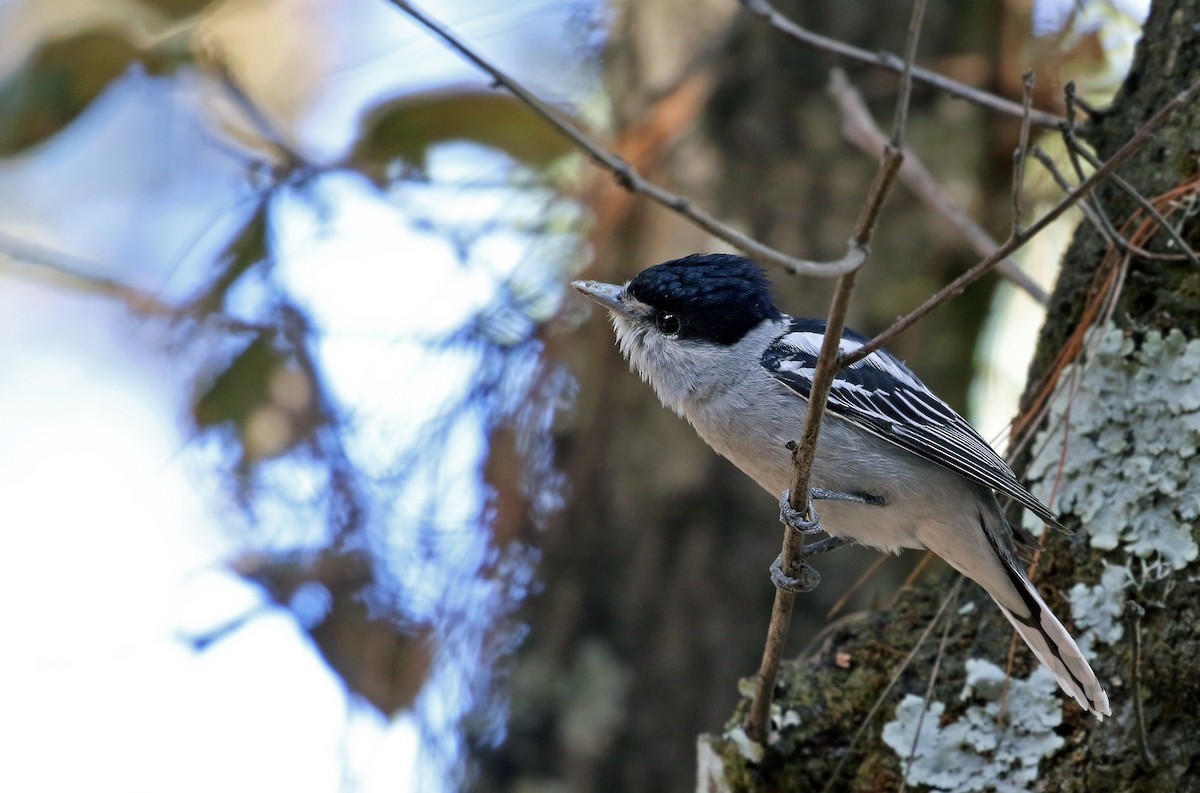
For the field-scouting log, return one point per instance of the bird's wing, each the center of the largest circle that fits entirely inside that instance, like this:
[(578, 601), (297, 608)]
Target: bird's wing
[(883, 396)]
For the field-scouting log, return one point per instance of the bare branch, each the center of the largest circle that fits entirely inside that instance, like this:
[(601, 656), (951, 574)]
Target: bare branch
[(1130, 147), (804, 452), (626, 175), (912, 36), (1018, 185), (860, 129), (1186, 251), (883, 695), (1097, 217), (35, 263), (886, 60), (1134, 611)]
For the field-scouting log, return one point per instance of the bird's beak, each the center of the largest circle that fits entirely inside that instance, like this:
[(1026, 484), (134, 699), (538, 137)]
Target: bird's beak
[(607, 295)]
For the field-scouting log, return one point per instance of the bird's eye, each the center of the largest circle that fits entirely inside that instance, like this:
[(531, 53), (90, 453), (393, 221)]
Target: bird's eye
[(668, 323)]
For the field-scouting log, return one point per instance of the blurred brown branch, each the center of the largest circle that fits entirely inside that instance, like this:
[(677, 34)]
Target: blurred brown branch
[(860, 129), (35, 263), (1100, 175), (886, 60), (627, 176)]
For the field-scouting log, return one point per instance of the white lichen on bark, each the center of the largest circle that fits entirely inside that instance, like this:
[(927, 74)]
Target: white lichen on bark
[(1120, 447), (1119, 452), (979, 750)]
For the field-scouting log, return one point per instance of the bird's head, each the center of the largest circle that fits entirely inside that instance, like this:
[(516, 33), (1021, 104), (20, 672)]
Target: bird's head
[(676, 320)]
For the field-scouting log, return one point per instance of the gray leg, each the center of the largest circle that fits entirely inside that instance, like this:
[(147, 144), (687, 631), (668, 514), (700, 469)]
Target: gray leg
[(797, 520), (857, 498)]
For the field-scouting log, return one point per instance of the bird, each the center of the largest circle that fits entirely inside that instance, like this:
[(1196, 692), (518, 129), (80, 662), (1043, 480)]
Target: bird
[(895, 466)]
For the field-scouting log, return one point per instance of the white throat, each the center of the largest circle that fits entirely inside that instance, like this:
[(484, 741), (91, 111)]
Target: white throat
[(687, 373)]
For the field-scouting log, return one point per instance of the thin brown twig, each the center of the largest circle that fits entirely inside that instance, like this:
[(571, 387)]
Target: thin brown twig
[(626, 175), (867, 575), (912, 37), (1135, 612), (1073, 150), (1018, 185), (926, 559), (1090, 206), (933, 676), (1186, 251), (35, 263), (886, 60), (859, 128), (883, 695), (804, 452), (1097, 218), (1130, 147)]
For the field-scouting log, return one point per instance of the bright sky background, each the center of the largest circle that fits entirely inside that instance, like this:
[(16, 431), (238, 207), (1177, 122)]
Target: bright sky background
[(113, 549), (115, 525)]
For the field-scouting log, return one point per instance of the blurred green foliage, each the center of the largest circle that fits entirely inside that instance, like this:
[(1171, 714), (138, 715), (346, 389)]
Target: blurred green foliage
[(63, 77), (406, 127)]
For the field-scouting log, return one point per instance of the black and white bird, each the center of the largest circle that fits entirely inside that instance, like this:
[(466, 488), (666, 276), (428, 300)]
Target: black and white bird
[(901, 467)]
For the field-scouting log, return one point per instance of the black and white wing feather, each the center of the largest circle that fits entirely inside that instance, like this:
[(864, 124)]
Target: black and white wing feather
[(883, 396)]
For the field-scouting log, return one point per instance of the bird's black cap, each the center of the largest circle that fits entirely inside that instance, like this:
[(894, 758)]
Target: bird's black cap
[(717, 297)]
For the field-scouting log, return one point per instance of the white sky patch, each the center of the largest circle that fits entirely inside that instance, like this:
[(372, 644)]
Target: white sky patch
[(1049, 16), (111, 555)]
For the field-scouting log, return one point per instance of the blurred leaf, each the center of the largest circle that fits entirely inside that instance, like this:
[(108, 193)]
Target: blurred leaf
[(241, 387), (265, 397), (406, 127), (283, 573), (378, 657), (178, 9), (384, 663), (244, 251), (61, 79)]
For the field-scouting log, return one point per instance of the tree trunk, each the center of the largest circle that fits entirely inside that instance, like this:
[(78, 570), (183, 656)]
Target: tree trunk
[(1124, 475)]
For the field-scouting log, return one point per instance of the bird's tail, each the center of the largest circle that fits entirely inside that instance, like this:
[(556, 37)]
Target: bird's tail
[(986, 556), (1051, 643)]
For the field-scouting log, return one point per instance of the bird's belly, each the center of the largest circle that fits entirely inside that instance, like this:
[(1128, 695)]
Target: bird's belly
[(848, 461)]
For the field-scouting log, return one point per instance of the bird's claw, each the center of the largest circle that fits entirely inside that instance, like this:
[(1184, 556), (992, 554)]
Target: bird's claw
[(806, 579), (790, 516)]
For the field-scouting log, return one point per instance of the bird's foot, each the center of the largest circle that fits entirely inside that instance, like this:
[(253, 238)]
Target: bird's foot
[(797, 519), (807, 521), (807, 577)]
